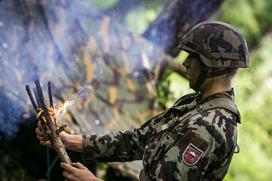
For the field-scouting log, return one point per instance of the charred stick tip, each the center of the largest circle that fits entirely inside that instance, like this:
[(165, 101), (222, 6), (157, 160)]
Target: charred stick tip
[(50, 94), (37, 98), (39, 92), (31, 97)]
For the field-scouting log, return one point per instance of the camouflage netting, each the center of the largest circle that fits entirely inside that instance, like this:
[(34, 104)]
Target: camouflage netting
[(106, 74)]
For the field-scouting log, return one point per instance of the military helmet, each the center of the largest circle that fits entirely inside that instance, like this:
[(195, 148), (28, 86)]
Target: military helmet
[(219, 45)]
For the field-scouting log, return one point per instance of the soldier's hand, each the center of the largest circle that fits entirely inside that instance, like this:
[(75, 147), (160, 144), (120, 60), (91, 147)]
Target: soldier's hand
[(42, 134), (77, 172)]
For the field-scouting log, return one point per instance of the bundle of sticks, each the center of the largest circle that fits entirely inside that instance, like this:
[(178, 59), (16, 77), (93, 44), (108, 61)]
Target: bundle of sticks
[(48, 120)]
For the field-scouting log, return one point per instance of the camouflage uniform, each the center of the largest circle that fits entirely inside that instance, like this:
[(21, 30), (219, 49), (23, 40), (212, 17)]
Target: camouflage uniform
[(196, 138), (190, 141)]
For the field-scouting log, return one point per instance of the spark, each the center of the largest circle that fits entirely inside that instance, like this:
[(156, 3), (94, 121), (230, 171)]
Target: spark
[(64, 107)]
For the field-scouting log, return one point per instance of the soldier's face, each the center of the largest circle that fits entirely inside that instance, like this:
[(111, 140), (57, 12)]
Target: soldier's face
[(192, 69)]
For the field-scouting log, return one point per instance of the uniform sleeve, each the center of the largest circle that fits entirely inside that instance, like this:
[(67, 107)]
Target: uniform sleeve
[(120, 146), (189, 157)]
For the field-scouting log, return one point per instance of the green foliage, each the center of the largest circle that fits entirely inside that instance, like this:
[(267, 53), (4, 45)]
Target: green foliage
[(251, 17), (138, 20), (144, 17), (103, 5)]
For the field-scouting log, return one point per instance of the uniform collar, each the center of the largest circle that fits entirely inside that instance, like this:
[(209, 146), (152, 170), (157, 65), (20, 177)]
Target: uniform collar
[(229, 94)]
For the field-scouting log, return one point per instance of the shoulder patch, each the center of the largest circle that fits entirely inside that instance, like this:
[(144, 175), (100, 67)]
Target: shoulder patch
[(191, 155)]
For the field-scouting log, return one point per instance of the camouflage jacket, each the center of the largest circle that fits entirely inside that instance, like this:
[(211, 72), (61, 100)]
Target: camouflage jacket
[(186, 142)]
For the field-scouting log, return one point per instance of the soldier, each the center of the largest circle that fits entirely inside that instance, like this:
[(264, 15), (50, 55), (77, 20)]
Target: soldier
[(193, 140)]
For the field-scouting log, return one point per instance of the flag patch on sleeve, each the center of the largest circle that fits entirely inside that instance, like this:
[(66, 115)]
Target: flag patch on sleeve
[(191, 155)]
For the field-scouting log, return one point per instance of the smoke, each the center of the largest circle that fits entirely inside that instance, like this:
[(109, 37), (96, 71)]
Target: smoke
[(47, 40)]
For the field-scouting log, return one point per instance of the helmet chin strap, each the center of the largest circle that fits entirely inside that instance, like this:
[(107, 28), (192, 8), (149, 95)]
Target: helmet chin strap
[(200, 79), (205, 73)]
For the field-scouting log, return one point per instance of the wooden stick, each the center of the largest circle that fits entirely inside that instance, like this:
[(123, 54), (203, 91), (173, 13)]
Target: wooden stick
[(53, 136)]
